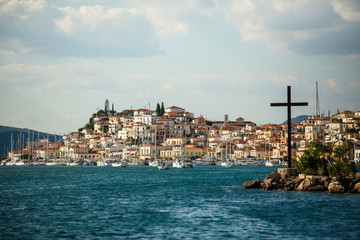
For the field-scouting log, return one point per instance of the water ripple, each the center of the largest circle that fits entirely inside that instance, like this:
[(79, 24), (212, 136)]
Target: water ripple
[(144, 203)]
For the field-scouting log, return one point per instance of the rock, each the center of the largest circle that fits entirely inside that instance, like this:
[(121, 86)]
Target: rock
[(313, 177), (357, 174), (336, 187), (252, 184), (274, 176), (304, 185), (268, 184), (316, 188), (287, 172), (290, 185), (302, 176), (356, 188), (324, 178), (353, 184)]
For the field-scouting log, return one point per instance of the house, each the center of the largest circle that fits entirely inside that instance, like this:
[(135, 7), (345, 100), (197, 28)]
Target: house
[(199, 121), (174, 109), (145, 116)]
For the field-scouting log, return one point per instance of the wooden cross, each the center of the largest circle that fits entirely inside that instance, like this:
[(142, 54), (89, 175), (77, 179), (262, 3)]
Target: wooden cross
[(288, 104)]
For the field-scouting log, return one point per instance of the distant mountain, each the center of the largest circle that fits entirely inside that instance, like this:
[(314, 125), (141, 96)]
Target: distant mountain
[(5, 138), (297, 119)]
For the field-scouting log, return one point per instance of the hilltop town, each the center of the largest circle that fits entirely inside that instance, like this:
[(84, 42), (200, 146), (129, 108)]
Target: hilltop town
[(142, 135)]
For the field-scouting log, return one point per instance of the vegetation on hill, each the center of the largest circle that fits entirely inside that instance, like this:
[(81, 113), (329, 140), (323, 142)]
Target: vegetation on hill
[(17, 133), (327, 160)]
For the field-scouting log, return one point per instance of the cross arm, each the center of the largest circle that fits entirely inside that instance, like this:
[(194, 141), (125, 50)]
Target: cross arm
[(286, 104)]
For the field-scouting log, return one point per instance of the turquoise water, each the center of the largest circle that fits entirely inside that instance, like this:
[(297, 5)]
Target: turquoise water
[(145, 203)]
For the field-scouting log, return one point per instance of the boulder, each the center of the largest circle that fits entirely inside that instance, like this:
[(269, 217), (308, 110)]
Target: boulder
[(272, 184), (302, 176), (353, 184), (287, 172), (356, 188), (304, 185), (252, 184), (274, 176), (290, 185), (336, 187), (313, 177)]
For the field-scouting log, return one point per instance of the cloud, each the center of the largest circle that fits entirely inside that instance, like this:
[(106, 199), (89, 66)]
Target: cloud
[(136, 29), (173, 17), (348, 10), (334, 85), (36, 27), (304, 27)]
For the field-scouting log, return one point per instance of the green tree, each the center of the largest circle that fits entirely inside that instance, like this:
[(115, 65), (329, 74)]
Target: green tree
[(158, 110), (162, 110), (313, 161), (341, 169), (342, 151)]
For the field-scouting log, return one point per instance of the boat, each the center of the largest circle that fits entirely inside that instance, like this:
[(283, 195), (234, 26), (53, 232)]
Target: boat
[(163, 166), (247, 162), (154, 163), (270, 163), (203, 162), (183, 164), (120, 164), (136, 163), (101, 163), (229, 164), (54, 164)]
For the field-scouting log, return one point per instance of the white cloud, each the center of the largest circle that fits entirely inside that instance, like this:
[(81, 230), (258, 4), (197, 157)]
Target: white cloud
[(333, 83), (349, 10), (305, 27), (34, 26)]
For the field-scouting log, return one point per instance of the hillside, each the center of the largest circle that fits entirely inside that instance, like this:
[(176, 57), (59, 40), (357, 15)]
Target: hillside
[(5, 137), (297, 119)]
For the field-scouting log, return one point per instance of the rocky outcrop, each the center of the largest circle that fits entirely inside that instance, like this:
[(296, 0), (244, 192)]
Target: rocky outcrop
[(252, 184), (336, 187), (290, 180), (304, 185), (356, 188)]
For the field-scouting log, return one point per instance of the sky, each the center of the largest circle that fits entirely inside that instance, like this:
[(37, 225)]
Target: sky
[(61, 59)]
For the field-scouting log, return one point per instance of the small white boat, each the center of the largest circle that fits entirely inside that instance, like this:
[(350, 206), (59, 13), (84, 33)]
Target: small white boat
[(271, 163), (101, 164), (163, 166), (153, 163), (19, 163), (53, 164), (183, 164), (176, 164), (120, 164), (229, 164)]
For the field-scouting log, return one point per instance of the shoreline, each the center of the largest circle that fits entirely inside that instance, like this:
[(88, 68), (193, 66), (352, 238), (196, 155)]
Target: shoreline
[(288, 179)]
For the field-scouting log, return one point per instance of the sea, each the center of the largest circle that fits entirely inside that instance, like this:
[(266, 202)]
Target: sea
[(142, 202)]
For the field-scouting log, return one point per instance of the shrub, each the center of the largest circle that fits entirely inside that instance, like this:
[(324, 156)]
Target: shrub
[(340, 169), (312, 161)]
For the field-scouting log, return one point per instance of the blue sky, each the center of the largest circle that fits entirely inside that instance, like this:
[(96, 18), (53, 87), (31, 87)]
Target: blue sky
[(60, 60)]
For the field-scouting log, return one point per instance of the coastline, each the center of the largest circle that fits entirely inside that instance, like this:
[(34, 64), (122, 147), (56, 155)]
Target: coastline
[(288, 179)]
